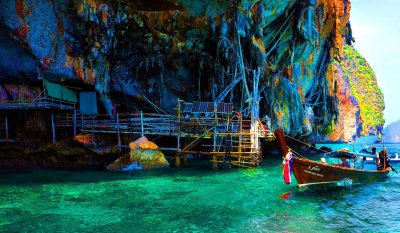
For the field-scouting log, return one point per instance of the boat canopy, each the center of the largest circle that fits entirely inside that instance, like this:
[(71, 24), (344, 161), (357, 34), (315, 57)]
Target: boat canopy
[(340, 154), (348, 155)]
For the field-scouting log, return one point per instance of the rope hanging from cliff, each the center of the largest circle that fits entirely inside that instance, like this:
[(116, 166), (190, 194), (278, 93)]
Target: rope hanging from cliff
[(278, 32), (158, 109)]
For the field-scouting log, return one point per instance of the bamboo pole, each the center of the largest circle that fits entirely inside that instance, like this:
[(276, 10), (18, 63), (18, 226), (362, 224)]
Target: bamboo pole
[(118, 135), (93, 129), (215, 128), (53, 128), (141, 123), (214, 160), (178, 147), (177, 160), (185, 160), (6, 122), (74, 120)]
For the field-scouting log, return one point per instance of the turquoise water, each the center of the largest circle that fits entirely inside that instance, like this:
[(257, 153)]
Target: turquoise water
[(194, 199)]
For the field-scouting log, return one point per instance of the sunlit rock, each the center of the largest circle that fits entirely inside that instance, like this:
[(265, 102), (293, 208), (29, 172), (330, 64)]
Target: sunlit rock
[(144, 154)]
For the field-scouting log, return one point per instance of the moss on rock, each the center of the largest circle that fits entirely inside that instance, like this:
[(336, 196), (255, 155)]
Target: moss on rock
[(144, 152), (360, 100)]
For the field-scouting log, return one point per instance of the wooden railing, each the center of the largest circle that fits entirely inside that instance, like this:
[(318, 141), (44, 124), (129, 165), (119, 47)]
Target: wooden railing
[(39, 103), (150, 124)]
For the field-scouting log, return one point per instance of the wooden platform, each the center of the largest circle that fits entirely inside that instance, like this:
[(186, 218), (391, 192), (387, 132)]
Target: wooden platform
[(228, 139)]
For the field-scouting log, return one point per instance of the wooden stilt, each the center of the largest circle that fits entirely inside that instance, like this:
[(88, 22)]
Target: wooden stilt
[(74, 120), (53, 128), (93, 129), (255, 117), (178, 146), (185, 160), (118, 135), (141, 123), (215, 128), (177, 160), (6, 122), (214, 162)]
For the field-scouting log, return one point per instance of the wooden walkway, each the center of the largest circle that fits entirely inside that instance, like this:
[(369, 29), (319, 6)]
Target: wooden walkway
[(205, 125), (228, 141)]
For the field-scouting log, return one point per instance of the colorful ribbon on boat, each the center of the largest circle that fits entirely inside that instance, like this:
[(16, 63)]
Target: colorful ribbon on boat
[(286, 167)]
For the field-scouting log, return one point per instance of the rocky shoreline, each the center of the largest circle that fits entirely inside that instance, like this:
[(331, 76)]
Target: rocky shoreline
[(64, 154), (75, 154)]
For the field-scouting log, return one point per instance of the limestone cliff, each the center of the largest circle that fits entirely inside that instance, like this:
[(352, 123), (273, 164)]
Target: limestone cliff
[(361, 104), (162, 50)]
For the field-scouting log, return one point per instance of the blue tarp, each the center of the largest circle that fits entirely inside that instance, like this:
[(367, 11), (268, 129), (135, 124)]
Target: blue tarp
[(87, 103), (58, 91)]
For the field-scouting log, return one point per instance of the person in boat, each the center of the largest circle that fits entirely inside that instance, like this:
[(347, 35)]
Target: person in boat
[(344, 162), (383, 161), (373, 151)]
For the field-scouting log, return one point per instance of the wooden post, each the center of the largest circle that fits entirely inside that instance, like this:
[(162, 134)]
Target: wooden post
[(178, 146), (215, 128), (74, 120), (240, 133), (177, 160), (141, 123), (53, 127), (118, 135), (214, 162), (93, 129), (82, 123), (6, 122), (179, 125), (255, 115), (185, 160)]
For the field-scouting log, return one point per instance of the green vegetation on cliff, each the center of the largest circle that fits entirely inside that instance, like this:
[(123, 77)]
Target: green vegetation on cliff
[(364, 88)]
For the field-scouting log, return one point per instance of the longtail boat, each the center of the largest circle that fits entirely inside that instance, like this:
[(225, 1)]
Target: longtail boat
[(309, 172), (312, 173)]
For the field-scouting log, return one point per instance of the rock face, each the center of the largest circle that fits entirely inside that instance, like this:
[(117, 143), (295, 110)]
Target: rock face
[(143, 153), (190, 49), (101, 145), (64, 154), (361, 104)]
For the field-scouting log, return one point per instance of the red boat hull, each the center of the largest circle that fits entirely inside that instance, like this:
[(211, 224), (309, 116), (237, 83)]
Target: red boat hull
[(308, 172)]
